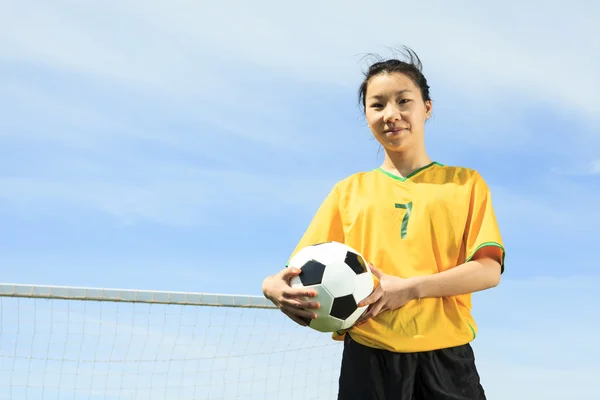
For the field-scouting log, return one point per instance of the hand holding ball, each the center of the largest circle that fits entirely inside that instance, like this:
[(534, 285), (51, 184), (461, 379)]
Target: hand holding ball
[(341, 278)]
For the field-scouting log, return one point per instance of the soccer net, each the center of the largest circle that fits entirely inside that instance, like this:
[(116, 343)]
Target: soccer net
[(86, 343)]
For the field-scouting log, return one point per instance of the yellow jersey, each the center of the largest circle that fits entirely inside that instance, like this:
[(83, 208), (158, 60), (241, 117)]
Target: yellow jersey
[(428, 222)]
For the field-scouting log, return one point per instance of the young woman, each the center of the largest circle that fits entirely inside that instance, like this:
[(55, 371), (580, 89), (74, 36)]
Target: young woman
[(430, 232)]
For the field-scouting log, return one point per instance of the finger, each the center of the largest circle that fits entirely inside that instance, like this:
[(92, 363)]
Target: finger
[(291, 293), (289, 272), (372, 298), (375, 271), (297, 319), (295, 303), (298, 312), (371, 312)]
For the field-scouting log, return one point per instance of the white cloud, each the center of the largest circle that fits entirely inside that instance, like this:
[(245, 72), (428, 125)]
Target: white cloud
[(170, 193), (546, 206), (88, 122), (135, 188), (173, 54), (178, 56), (59, 119), (577, 167), (173, 46)]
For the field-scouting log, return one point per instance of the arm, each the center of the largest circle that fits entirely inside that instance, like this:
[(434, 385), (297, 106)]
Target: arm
[(480, 273), (483, 240)]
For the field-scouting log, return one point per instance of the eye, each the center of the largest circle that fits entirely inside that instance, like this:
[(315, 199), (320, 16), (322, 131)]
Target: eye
[(404, 101), (376, 105)]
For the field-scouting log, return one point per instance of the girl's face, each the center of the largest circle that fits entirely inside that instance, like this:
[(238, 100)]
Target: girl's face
[(396, 112)]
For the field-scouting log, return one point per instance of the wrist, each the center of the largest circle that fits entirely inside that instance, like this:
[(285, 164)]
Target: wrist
[(417, 287)]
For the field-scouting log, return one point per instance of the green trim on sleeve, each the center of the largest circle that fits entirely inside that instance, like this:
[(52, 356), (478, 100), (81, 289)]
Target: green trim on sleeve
[(486, 244), (473, 331)]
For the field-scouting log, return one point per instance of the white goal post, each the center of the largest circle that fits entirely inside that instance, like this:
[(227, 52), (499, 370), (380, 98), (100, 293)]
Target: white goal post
[(90, 343)]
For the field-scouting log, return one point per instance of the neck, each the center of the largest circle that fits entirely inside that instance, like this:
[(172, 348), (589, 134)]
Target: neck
[(404, 163)]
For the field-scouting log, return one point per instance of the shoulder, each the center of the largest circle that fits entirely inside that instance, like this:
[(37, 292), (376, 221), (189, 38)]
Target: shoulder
[(460, 175), (355, 181), (351, 186), (342, 186), (458, 172)]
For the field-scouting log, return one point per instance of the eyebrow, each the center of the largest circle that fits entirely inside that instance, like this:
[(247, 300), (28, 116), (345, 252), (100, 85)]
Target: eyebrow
[(377, 97)]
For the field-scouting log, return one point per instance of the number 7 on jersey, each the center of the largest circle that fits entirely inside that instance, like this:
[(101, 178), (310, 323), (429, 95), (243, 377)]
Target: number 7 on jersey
[(404, 226)]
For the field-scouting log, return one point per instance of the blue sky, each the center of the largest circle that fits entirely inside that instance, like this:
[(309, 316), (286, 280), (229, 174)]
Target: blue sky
[(185, 146)]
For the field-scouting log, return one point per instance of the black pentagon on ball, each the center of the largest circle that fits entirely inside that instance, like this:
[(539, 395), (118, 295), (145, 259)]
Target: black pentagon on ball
[(343, 307), (356, 262), (311, 273)]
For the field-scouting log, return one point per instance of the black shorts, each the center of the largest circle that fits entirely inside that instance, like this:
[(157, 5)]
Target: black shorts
[(374, 374)]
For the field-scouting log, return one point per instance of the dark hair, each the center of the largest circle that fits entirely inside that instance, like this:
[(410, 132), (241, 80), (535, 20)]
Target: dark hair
[(411, 68)]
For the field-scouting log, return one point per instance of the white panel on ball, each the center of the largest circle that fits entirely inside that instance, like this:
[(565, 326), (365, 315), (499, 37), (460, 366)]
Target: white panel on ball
[(328, 324), (351, 320), (301, 257), (329, 252), (339, 279), (364, 286), (325, 300)]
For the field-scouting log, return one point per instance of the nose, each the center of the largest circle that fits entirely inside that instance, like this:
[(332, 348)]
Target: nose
[(391, 113)]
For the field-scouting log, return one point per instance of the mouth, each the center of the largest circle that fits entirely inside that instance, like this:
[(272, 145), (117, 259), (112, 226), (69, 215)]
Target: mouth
[(394, 131)]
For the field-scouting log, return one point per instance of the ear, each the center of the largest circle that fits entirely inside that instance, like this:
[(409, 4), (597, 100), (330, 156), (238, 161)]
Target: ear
[(428, 108)]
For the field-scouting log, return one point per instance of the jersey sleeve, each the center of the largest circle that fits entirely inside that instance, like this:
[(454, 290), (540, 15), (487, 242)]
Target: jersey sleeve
[(326, 224), (482, 227)]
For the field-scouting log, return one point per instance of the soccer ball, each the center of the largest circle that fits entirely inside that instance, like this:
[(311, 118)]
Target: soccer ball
[(341, 278)]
